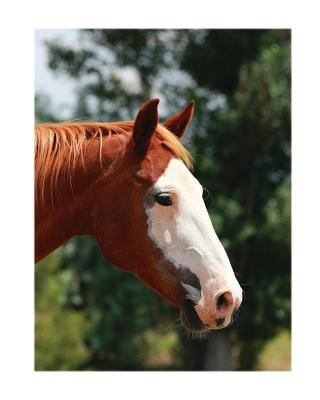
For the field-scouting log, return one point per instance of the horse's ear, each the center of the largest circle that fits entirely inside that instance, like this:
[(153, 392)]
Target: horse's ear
[(178, 123), (145, 123)]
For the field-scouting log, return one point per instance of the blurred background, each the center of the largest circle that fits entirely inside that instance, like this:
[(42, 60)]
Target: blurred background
[(92, 316)]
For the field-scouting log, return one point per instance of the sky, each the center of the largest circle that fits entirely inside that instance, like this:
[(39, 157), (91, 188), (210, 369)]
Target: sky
[(61, 89), (48, 83)]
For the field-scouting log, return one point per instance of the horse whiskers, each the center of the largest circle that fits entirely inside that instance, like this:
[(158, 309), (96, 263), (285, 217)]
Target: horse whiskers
[(194, 335), (209, 193), (202, 335), (178, 323)]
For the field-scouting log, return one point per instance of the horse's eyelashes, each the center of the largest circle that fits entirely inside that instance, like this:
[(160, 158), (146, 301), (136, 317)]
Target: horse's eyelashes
[(164, 199)]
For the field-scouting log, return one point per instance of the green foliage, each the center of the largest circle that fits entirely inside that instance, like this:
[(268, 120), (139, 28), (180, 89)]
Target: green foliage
[(56, 351), (276, 354), (240, 140), (43, 106), (117, 305)]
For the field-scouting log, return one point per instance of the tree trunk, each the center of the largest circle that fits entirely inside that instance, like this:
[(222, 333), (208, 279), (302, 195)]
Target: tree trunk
[(218, 356), (211, 354)]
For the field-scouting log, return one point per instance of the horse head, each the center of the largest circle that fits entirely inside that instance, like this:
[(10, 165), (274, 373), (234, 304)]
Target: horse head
[(149, 218)]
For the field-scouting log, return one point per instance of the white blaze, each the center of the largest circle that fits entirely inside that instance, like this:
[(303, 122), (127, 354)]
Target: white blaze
[(184, 231)]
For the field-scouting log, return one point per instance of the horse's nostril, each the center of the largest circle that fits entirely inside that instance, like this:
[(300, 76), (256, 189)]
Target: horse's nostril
[(220, 321), (224, 301)]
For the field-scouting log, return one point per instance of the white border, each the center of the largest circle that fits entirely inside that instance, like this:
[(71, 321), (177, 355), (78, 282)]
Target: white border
[(17, 41)]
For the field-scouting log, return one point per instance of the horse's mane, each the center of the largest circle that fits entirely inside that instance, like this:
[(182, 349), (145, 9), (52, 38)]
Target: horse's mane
[(59, 146)]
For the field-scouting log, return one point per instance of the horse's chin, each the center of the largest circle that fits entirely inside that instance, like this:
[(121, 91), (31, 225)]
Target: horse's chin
[(190, 318), (191, 328)]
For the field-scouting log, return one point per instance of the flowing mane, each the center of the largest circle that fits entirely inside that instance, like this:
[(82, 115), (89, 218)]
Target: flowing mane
[(59, 146)]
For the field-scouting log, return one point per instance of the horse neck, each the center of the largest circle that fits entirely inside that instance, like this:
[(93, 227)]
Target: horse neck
[(65, 211)]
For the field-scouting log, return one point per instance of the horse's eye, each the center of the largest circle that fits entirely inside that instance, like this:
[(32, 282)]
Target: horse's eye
[(165, 199)]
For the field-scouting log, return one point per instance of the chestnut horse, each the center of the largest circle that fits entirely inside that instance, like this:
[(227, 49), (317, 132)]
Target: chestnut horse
[(129, 185)]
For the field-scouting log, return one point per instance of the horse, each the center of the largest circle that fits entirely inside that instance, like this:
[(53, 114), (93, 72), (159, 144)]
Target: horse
[(129, 184)]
